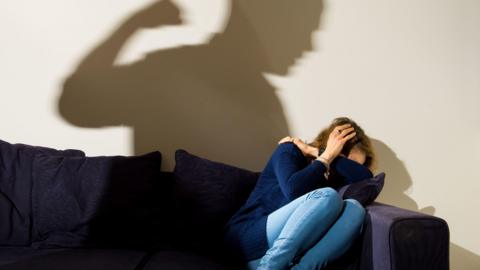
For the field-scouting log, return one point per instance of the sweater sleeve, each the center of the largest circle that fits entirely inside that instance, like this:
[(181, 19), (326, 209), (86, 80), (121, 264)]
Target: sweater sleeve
[(350, 170), (294, 178)]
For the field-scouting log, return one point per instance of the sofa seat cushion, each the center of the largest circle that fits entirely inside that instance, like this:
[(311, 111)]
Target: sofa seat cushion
[(181, 260), (10, 255), (72, 259)]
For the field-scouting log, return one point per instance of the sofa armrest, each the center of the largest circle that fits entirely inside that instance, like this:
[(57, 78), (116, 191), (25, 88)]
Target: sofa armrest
[(400, 239)]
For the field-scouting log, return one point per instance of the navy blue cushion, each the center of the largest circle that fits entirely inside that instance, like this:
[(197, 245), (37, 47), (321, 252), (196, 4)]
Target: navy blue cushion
[(365, 191), (207, 194), (98, 201), (16, 161)]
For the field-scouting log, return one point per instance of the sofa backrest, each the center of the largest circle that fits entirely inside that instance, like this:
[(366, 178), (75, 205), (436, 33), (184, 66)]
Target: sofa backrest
[(16, 183)]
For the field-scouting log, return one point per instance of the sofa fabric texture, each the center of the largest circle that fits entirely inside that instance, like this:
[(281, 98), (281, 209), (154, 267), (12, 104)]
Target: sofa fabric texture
[(16, 183), (80, 259)]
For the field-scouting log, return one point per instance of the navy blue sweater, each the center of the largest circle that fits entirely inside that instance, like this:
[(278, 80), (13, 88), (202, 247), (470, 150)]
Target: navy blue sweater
[(287, 176)]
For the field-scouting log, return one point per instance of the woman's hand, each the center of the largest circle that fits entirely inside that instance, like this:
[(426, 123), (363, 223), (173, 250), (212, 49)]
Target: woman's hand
[(286, 139), (336, 140), (307, 150)]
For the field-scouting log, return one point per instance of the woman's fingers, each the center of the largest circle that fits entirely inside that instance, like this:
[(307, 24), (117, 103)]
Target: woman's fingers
[(349, 136), (338, 129), (346, 131), (337, 139), (286, 139)]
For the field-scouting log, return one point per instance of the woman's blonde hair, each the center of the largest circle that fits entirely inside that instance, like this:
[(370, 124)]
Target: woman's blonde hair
[(361, 141)]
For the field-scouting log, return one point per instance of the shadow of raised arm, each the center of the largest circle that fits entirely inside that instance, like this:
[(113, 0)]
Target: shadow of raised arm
[(99, 92), (205, 97)]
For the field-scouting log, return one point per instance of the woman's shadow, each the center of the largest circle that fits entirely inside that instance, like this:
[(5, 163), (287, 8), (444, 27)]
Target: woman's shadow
[(210, 99), (397, 181)]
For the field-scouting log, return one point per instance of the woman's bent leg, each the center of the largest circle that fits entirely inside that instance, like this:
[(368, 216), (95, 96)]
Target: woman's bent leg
[(252, 265), (337, 240), (275, 223), (277, 219), (300, 229)]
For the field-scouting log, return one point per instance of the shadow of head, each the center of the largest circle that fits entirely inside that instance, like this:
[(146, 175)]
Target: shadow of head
[(400, 180), (281, 30)]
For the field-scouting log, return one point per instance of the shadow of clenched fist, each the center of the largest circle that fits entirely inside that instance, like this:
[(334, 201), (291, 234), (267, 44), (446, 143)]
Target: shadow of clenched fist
[(160, 13)]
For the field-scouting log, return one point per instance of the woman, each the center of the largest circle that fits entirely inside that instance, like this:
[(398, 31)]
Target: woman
[(293, 218)]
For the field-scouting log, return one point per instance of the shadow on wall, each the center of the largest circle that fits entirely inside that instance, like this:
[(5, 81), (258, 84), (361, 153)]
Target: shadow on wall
[(463, 259), (210, 99), (397, 181)]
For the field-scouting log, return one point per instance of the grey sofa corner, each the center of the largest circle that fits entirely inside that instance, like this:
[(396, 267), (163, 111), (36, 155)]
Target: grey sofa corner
[(400, 239)]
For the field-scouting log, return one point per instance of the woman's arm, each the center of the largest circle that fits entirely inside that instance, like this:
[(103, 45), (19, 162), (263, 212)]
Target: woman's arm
[(350, 170), (295, 176)]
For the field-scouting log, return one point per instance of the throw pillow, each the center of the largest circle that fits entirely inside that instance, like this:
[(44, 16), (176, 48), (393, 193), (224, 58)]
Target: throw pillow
[(365, 191), (98, 201), (16, 161), (207, 194)]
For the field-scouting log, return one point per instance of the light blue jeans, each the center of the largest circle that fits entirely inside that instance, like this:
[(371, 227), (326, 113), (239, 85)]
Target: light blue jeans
[(310, 231)]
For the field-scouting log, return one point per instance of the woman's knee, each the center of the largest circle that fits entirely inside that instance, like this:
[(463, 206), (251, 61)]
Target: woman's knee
[(355, 211), (354, 205), (322, 192), (328, 195)]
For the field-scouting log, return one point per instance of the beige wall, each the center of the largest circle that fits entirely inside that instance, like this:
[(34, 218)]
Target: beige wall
[(85, 74)]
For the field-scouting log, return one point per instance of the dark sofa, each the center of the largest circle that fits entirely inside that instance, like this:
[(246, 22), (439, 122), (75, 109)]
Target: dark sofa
[(62, 210)]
